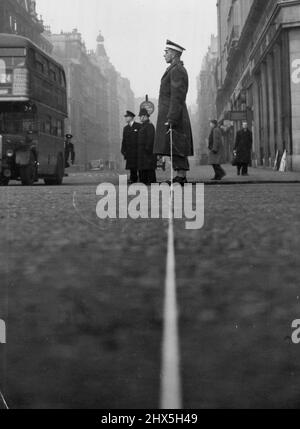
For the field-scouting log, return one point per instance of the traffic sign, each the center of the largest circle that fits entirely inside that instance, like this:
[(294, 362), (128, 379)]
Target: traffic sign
[(148, 105)]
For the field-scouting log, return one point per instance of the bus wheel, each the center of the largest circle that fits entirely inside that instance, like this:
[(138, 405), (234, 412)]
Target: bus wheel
[(59, 175), (28, 172)]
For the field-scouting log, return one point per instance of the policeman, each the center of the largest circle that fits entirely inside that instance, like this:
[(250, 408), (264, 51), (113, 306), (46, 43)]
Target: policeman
[(69, 150), (130, 145), (173, 113), (147, 161)]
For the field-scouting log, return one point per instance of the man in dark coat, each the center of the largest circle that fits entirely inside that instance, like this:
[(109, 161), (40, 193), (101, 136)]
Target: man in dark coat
[(147, 161), (173, 113), (216, 150), (243, 149), (69, 150), (130, 146)]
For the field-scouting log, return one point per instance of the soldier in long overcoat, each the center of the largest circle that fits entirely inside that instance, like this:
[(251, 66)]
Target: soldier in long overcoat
[(216, 150), (147, 161), (173, 112), (130, 145), (243, 149)]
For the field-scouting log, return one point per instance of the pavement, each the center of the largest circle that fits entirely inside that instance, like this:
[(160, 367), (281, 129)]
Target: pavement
[(204, 174), (83, 298), (256, 176)]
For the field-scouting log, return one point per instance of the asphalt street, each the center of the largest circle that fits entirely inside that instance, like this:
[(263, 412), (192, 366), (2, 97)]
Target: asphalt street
[(83, 299)]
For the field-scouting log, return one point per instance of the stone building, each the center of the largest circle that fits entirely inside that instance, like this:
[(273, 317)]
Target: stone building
[(259, 74), (96, 94), (207, 93), (20, 17), (87, 97), (119, 95)]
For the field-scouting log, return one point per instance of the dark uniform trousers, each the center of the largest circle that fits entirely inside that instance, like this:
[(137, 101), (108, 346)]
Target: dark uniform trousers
[(180, 163), (148, 177), (134, 176), (242, 168)]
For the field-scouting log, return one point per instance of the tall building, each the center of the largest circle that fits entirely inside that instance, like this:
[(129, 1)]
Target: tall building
[(20, 17), (87, 97), (97, 94), (207, 93), (259, 74), (119, 95)]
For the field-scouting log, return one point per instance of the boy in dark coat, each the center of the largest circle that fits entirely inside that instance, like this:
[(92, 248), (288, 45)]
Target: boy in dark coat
[(130, 146), (243, 149), (173, 112), (147, 161)]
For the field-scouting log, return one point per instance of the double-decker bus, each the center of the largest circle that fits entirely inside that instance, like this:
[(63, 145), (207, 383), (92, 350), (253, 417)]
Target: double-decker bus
[(33, 108)]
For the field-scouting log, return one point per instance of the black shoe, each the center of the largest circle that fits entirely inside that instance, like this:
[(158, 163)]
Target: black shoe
[(180, 180), (224, 174)]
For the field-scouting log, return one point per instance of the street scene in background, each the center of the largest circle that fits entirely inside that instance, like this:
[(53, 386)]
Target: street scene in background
[(149, 205)]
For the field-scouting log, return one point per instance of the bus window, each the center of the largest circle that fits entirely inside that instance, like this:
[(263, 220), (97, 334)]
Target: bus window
[(54, 127), (43, 126), (52, 75), (2, 71), (5, 73), (48, 125), (60, 128), (39, 66), (63, 80)]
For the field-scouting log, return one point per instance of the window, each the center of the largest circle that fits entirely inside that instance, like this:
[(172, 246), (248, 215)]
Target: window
[(13, 24), (54, 129), (52, 75), (41, 63), (4, 77), (39, 66), (48, 125), (43, 126), (60, 128)]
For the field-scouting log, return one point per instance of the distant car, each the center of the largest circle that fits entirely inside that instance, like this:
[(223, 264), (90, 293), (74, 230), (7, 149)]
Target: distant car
[(97, 165)]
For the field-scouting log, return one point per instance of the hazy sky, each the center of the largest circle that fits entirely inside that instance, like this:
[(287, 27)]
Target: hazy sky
[(135, 32)]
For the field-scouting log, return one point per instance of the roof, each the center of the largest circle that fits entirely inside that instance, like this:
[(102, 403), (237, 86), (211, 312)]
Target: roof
[(15, 41)]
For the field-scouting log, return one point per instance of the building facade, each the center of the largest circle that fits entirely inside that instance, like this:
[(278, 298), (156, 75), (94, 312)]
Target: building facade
[(87, 97), (207, 93), (119, 95), (20, 17), (258, 75), (97, 95)]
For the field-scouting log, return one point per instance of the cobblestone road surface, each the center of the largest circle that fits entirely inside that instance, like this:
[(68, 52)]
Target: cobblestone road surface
[(83, 299)]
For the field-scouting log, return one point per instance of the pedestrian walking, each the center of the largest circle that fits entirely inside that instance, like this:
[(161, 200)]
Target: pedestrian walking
[(173, 113), (130, 146), (243, 150), (216, 150), (147, 160)]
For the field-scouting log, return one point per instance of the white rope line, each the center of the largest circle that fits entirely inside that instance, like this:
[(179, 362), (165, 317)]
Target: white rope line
[(3, 400), (7, 289), (171, 379)]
